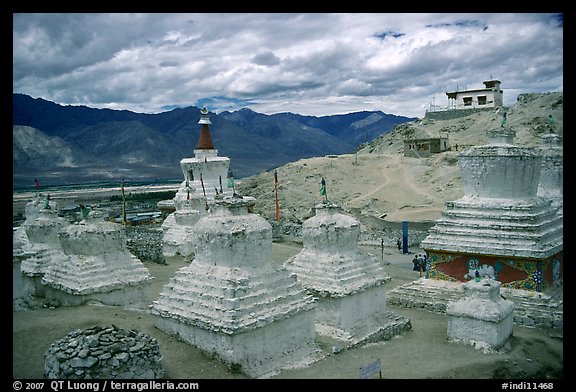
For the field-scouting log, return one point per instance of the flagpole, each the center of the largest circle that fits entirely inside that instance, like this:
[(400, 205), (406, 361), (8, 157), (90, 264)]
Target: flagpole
[(276, 191), (123, 204), (204, 190)]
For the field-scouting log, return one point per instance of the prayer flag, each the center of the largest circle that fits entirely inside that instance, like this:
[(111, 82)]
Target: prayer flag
[(36, 183), (323, 187), (230, 179)]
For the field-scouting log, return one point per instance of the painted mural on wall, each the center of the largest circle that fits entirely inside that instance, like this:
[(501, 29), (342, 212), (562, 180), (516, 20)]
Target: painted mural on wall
[(525, 274)]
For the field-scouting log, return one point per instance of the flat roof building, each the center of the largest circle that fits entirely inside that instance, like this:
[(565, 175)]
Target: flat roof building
[(489, 96)]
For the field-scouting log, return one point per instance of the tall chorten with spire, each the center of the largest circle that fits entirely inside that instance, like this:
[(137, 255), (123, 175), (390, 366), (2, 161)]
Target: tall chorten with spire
[(205, 176), (206, 173)]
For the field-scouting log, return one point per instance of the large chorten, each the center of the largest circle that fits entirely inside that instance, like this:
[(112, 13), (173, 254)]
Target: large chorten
[(232, 301), (501, 227)]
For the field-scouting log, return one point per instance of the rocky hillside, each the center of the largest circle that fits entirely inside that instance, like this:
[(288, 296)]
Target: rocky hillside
[(380, 185)]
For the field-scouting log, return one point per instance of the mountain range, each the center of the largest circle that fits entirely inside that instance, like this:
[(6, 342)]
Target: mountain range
[(61, 145)]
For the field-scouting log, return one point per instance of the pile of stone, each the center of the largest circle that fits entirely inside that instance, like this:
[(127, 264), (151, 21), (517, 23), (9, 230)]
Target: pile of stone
[(104, 352)]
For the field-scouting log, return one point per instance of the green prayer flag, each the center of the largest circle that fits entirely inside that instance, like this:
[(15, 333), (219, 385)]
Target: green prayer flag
[(323, 187)]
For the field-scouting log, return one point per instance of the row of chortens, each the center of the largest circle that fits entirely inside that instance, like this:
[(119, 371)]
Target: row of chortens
[(233, 302)]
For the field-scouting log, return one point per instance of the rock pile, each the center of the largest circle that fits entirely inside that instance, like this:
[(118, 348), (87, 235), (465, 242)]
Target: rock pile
[(104, 352)]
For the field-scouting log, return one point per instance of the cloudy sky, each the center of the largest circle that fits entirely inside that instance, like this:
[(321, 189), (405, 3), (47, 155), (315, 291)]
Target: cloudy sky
[(312, 63)]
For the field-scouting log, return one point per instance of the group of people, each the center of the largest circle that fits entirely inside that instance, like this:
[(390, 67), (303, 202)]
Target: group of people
[(419, 262)]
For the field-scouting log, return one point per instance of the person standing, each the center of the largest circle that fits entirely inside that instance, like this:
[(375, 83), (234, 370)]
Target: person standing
[(421, 265), (399, 245), (416, 266)]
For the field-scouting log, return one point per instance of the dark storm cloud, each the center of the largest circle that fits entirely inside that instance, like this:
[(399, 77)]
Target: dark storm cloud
[(323, 63), (267, 58)]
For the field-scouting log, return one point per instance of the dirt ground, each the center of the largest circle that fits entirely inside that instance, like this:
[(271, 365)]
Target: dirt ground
[(422, 353)]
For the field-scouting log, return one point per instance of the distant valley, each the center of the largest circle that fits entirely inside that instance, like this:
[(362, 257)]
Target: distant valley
[(61, 145)]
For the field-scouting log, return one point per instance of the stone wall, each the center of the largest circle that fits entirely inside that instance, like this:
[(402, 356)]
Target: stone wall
[(145, 242), (455, 113)]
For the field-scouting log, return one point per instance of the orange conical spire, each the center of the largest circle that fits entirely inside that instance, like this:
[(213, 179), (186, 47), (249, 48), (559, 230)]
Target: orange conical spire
[(205, 140)]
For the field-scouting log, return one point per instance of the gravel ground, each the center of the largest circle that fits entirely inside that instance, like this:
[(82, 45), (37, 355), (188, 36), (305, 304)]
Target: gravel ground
[(422, 353)]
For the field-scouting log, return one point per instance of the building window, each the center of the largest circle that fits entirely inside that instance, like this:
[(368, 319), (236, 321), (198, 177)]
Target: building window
[(482, 100), (467, 101)]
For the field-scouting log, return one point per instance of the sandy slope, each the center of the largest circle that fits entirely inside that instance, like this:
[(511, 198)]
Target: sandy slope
[(380, 181)]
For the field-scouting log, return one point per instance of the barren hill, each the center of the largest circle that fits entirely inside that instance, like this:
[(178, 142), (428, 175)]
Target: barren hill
[(379, 183)]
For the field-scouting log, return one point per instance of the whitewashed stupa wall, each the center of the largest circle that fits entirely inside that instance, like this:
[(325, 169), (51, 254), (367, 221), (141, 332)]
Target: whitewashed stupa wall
[(551, 185), (177, 235), (482, 317), (96, 265), (500, 213), (500, 169), (232, 301), (214, 172), (348, 283), (37, 245)]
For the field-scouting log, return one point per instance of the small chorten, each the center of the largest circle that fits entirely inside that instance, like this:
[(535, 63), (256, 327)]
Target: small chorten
[(482, 317), (348, 283)]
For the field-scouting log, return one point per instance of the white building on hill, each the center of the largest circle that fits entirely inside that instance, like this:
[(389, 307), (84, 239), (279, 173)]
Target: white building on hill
[(490, 96)]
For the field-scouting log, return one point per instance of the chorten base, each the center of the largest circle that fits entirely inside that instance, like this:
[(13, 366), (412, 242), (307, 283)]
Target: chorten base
[(138, 296), (513, 272), (260, 352), (359, 318)]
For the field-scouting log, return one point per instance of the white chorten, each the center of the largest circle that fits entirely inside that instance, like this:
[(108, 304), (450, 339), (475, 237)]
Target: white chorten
[(38, 235), (232, 301), (551, 185), (36, 245), (206, 173), (96, 265), (482, 317), (348, 282), (501, 226), (205, 176)]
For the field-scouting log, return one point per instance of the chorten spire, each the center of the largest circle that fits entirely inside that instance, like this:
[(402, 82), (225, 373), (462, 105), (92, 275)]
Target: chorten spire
[(205, 140)]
